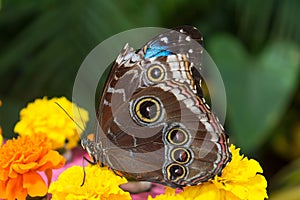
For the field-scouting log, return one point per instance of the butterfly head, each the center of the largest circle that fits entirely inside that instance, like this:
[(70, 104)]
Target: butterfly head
[(93, 149)]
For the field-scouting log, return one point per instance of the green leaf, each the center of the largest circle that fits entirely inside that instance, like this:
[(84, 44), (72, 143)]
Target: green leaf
[(44, 43), (258, 87)]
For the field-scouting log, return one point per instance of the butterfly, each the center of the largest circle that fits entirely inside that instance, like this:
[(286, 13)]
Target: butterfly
[(153, 123)]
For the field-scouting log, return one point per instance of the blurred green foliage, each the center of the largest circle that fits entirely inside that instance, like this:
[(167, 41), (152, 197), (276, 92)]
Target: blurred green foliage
[(255, 44), (263, 84)]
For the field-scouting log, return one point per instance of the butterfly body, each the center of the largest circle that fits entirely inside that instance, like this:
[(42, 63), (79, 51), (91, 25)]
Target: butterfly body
[(153, 123)]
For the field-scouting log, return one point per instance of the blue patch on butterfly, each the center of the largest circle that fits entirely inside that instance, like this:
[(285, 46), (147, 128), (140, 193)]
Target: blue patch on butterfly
[(157, 51)]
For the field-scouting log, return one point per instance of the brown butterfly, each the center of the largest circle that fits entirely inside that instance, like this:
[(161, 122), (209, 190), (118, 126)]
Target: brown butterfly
[(153, 123)]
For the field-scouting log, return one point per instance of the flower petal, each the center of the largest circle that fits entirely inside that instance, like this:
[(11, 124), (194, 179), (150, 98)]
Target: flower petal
[(35, 184), (208, 191), (23, 168), (3, 174), (2, 189), (52, 160), (14, 189)]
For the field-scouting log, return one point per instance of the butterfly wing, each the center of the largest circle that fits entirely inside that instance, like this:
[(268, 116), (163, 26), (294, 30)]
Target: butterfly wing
[(153, 124)]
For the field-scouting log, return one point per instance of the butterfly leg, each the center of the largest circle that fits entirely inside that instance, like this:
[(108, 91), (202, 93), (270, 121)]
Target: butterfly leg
[(90, 162)]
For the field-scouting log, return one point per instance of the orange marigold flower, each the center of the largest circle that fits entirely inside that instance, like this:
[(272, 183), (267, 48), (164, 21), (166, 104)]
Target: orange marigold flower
[(20, 161), (1, 137)]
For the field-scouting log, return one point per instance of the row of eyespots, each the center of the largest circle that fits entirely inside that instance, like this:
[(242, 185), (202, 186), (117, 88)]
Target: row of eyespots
[(180, 156)]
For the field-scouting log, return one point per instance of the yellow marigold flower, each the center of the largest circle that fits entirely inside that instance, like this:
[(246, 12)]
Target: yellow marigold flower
[(44, 116), (170, 194), (100, 183), (20, 161), (241, 179)]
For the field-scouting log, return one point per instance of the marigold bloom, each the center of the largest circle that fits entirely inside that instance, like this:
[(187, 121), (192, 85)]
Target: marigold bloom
[(20, 161), (241, 179), (44, 116), (100, 183), (1, 137)]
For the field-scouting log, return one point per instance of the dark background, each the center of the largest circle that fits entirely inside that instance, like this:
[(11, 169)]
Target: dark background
[(255, 45)]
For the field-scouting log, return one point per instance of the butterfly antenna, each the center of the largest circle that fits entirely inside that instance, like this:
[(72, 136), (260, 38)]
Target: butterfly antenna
[(81, 118), (82, 129)]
